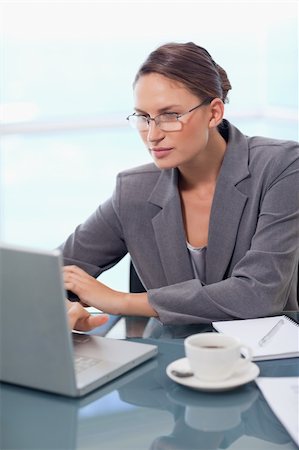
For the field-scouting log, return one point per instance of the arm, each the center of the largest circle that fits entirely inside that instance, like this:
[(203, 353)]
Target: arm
[(94, 293), (260, 282), (97, 244)]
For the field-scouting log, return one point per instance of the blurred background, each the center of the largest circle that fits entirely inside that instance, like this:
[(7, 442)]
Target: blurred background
[(66, 72)]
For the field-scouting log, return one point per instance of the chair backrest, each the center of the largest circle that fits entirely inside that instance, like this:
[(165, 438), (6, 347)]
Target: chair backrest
[(135, 284), (135, 325)]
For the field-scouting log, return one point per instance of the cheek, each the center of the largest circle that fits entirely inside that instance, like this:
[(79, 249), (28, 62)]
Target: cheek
[(143, 137), (200, 134), (192, 139)]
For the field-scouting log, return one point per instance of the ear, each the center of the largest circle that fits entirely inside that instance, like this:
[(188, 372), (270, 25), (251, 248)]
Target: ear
[(217, 112)]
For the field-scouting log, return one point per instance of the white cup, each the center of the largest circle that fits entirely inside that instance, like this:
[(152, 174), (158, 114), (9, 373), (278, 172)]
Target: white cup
[(216, 356)]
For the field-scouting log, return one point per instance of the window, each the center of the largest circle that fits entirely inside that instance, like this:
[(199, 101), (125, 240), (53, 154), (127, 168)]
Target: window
[(67, 71)]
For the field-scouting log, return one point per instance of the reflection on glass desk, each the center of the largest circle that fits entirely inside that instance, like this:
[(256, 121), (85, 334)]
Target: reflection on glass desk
[(144, 409)]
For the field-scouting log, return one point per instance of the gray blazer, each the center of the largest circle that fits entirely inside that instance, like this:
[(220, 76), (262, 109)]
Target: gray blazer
[(253, 244)]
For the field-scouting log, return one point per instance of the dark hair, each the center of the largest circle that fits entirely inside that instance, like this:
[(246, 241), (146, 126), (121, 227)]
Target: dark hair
[(191, 65)]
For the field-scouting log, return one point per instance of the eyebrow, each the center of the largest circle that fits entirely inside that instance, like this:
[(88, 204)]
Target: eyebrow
[(160, 111)]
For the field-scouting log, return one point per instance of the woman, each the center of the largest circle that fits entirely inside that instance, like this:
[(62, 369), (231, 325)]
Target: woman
[(212, 226)]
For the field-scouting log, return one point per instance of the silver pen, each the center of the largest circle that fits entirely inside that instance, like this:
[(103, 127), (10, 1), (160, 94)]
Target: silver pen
[(271, 333)]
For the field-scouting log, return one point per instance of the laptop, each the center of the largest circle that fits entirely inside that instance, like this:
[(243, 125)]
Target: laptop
[(37, 349), (23, 426)]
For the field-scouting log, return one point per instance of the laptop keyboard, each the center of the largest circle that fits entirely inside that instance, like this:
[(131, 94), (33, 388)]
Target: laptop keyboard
[(84, 362)]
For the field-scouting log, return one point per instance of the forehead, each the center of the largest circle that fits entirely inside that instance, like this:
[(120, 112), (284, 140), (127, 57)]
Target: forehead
[(155, 91)]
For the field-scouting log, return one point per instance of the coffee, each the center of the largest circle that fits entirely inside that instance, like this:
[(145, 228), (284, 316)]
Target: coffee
[(211, 346)]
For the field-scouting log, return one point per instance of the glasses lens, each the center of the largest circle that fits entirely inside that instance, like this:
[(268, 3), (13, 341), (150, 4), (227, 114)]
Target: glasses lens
[(138, 122), (168, 122)]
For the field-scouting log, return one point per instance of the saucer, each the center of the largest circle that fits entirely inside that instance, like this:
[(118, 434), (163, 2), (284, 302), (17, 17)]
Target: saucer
[(237, 379)]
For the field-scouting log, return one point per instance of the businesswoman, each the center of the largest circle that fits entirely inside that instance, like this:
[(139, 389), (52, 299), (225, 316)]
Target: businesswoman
[(212, 225)]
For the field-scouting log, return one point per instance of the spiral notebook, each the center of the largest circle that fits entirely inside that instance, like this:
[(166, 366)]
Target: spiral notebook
[(269, 337)]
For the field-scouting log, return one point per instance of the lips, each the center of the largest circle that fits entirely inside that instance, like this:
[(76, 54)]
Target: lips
[(161, 152)]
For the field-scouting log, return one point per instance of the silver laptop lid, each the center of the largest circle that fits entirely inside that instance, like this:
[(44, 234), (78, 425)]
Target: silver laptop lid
[(28, 295)]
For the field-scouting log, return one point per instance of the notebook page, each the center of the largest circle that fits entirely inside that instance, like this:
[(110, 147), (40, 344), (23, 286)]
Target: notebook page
[(281, 393), (284, 341)]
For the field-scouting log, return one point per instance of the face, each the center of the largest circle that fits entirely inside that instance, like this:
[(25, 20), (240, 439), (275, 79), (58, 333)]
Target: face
[(155, 94)]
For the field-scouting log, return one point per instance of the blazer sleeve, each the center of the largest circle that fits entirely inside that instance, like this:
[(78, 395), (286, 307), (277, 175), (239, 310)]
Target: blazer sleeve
[(97, 244), (261, 281)]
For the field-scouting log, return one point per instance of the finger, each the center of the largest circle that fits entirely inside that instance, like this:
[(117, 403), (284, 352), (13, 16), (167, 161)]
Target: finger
[(76, 281), (73, 287), (97, 320), (72, 269), (72, 276), (85, 305), (73, 282), (75, 313), (91, 322)]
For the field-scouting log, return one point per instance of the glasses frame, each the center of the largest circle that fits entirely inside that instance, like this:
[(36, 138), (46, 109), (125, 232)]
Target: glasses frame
[(148, 118)]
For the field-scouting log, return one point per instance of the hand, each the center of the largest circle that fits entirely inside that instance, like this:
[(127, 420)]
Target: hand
[(80, 319), (90, 291), (94, 293)]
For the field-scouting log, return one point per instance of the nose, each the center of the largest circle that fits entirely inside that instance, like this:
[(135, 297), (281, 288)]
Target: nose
[(154, 133)]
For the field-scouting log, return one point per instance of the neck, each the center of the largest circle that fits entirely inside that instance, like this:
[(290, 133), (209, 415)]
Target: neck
[(205, 170)]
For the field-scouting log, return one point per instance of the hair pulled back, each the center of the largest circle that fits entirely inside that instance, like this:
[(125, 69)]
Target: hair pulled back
[(191, 65)]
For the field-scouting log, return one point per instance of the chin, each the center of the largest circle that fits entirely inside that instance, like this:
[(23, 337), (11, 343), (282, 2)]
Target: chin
[(164, 166)]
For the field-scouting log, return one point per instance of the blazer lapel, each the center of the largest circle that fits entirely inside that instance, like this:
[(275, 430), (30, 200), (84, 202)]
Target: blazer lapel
[(169, 229), (227, 208)]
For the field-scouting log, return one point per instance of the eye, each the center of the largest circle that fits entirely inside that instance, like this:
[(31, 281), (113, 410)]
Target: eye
[(168, 117), (140, 118), (145, 116)]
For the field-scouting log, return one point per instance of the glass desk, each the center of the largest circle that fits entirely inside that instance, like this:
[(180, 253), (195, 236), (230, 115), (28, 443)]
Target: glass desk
[(144, 409)]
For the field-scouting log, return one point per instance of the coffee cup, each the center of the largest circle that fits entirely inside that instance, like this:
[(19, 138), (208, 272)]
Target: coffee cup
[(216, 356)]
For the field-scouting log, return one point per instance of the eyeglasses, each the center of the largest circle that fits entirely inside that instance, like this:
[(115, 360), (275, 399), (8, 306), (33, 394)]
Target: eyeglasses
[(165, 121)]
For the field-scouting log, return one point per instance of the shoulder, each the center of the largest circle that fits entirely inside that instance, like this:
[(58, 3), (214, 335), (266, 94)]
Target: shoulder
[(262, 152), (270, 149), (262, 148), (138, 182), (272, 156), (259, 159), (145, 170)]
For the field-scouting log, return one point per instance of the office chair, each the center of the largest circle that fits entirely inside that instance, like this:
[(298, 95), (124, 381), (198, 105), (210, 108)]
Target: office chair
[(135, 284), (135, 325)]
